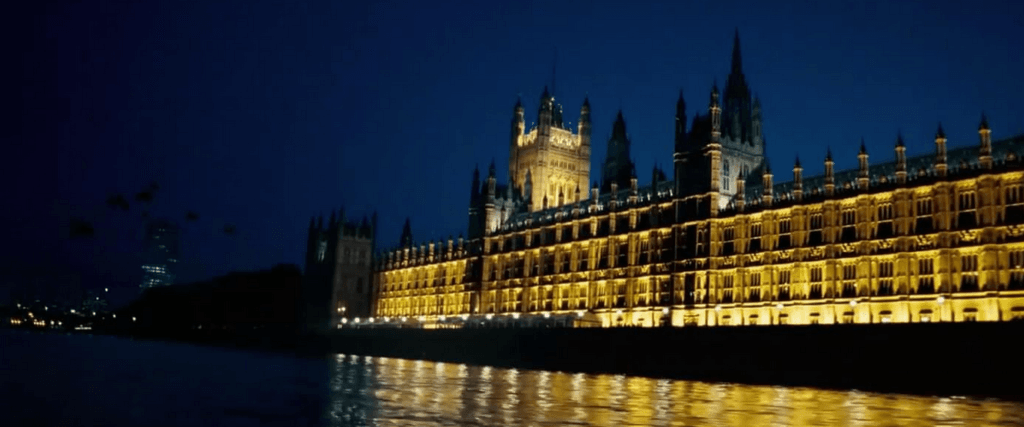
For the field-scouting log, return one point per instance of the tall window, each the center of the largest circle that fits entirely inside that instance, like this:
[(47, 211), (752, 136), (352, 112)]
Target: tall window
[(816, 277), (969, 273), (1016, 269), (755, 287), (966, 217), (814, 237), (725, 175), (885, 273), (849, 280), (925, 276), (885, 221), (784, 276), (849, 225), (924, 216), (727, 284)]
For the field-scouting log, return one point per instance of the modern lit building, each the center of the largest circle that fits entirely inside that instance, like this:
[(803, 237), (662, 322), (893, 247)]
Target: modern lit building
[(938, 237), (160, 253)]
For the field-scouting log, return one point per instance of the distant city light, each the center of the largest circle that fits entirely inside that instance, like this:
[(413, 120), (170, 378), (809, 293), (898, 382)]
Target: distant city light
[(133, 318)]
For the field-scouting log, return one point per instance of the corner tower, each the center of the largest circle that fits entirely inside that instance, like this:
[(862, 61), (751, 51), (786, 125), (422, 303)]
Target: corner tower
[(557, 158)]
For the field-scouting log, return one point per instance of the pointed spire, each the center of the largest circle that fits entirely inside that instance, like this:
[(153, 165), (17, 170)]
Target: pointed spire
[(586, 101), (940, 133), (828, 154), (863, 149), (545, 95), (797, 163), (619, 128), (985, 136), (899, 139), (519, 102), (405, 240), (737, 63), (490, 170)]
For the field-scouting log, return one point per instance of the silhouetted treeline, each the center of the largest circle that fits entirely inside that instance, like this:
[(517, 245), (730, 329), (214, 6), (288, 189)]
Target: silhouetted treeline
[(265, 300)]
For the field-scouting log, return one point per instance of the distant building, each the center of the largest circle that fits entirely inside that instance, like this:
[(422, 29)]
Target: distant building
[(338, 271), (160, 256)]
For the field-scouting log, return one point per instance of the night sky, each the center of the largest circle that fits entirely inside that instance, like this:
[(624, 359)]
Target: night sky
[(259, 114)]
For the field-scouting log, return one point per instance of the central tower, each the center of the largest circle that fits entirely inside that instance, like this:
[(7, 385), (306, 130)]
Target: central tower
[(550, 161)]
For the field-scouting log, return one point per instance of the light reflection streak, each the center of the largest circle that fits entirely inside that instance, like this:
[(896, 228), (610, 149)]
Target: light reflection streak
[(382, 391)]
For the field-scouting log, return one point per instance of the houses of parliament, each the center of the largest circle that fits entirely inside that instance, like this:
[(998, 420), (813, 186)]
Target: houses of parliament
[(725, 240)]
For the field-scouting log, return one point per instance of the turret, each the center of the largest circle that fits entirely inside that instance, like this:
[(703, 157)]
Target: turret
[(830, 178), (474, 191), (518, 126), (798, 181), (985, 151), (940, 152), (584, 126), (766, 180), (901, 160), (593, 196), (405, 240), (863, 177), (491, 183), (561, 197), (544, 116), (617, 163), (681, 136)]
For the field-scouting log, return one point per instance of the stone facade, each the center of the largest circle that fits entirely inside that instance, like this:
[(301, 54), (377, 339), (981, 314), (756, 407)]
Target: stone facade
[(936, 237), (338, 282)]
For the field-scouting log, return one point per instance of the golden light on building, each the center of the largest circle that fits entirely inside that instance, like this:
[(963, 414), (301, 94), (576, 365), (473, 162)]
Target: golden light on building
[(936, 237), (940, 247)]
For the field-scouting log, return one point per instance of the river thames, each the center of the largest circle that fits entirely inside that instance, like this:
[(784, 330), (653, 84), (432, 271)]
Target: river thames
[(83, 380)]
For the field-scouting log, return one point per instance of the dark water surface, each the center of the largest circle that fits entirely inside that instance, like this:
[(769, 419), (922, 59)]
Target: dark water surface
[(80, 380)]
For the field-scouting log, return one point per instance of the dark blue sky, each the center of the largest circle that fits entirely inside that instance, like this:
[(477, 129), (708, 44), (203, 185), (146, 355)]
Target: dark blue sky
[(260, 113)]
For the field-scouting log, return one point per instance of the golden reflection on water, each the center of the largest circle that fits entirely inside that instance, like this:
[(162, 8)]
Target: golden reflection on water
[(386, 391)]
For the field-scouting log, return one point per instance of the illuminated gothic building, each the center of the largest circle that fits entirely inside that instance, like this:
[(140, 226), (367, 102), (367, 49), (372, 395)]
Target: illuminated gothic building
[(936, 237), (337, 280)]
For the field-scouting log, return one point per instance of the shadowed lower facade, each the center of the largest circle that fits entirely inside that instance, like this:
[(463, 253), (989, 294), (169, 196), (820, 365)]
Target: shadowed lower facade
[(934, 238)]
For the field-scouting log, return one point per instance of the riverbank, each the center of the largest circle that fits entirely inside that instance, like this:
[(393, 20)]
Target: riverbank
[(930, 359)]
